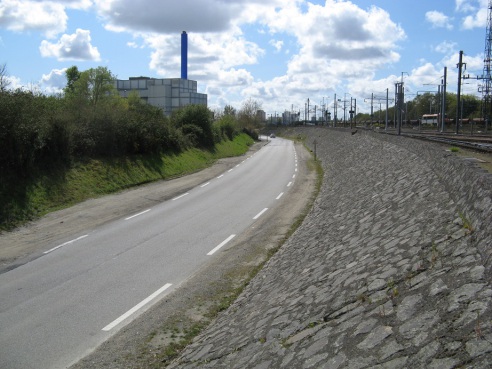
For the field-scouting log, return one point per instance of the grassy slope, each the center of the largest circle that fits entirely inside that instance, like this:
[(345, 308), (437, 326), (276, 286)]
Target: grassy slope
[(62, 188)]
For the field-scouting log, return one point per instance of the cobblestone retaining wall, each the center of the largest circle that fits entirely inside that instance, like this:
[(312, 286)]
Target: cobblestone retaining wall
[(469, 185), (383, 272)]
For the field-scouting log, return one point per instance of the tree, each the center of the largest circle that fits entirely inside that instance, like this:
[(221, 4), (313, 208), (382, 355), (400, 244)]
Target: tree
[(229, 110), (4, 80), (72, 75), (92, 85), (195, 122), (100, 83), (247, 116)]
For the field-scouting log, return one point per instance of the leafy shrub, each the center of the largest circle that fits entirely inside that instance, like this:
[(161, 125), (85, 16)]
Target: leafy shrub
[(227, 126), (198, 116)]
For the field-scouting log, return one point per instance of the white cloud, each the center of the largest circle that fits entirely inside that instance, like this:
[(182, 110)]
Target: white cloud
[(438, 19), (14, 82), (465, 5), (332, 41), (53, 82), (337, 41), (235, 77), (209, 54), (168, 16), (76, 46), (446, 47), (478, 10), (133, 45), (471, 6), (21, 15), (277, 44), (75, 4), (478, 20)]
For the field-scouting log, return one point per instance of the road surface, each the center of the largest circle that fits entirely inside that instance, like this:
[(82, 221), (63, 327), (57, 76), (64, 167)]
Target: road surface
[(85, 288)]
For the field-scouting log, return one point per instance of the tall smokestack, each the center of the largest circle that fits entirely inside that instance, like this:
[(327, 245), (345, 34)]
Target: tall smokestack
[(184, 55)]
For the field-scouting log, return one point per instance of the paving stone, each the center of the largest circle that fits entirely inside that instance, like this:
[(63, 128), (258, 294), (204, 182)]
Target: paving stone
[(437, 287), (407, 307), (479, 347), (446, 363), (390, 349), (463, 294), (376, 336), (365, 326)]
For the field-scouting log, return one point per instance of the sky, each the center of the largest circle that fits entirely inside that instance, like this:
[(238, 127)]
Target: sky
[(279, 53)]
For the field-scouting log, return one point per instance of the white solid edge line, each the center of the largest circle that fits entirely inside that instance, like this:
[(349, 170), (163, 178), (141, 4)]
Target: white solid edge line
[(137, 307), (221, 244), (279, 196), (180, 196), (260, 213), (136, 215), (64, 244)]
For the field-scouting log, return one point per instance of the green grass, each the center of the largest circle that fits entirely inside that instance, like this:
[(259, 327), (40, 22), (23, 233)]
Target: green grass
[(22, 200)]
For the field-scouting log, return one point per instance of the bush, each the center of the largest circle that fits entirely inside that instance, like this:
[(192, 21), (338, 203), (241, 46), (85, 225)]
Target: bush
[(29, 133), (200, 117), (251, 133), (227, 126)]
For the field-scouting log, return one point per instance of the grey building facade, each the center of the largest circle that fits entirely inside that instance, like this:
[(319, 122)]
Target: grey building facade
[(169, 94)]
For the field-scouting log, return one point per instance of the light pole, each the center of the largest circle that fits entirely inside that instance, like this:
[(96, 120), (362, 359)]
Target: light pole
[(326, 112), (345, 107)]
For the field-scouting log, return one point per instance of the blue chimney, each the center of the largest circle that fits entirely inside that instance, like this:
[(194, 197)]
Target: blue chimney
[(184, 55)]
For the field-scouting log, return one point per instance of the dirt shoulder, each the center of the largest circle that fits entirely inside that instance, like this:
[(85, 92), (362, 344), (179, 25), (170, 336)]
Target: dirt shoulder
[(153, 338)]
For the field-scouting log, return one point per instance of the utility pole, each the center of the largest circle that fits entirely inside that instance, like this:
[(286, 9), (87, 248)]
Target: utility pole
[(351, 112), (486, 75), (345, 108), (399, 104), (460, 66), (335, 111), (355, 113), (386, 121), (443, 114), (439, 107), (308, 110), (379, 99)]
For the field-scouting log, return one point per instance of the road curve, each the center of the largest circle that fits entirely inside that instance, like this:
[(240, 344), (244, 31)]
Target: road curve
[(84, 289)]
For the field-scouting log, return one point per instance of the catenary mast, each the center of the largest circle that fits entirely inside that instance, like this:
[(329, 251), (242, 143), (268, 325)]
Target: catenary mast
[(486, 76)]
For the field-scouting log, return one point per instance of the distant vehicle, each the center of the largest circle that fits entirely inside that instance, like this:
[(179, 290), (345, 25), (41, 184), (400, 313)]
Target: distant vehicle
[(272, 135), (432, 118)]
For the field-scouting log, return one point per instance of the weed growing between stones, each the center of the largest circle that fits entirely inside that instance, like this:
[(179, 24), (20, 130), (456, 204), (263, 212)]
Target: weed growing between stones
[(434, 255), (392, 289), (478, 328), (466, 223), (363, 298)]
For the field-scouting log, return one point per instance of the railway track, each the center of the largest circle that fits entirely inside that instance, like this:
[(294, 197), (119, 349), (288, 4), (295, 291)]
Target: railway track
[(475, 144), (480, 143)]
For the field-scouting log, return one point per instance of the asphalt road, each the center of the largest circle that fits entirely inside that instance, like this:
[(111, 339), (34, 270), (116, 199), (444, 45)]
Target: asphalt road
[(86, 287)]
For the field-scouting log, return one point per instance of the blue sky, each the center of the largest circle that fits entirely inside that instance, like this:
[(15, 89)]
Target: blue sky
[(277, 52)]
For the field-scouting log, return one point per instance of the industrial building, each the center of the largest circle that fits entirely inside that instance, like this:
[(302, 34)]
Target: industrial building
[(169, 94)]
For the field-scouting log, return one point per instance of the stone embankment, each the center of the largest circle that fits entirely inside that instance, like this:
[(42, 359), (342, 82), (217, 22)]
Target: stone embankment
[(390, 269)]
